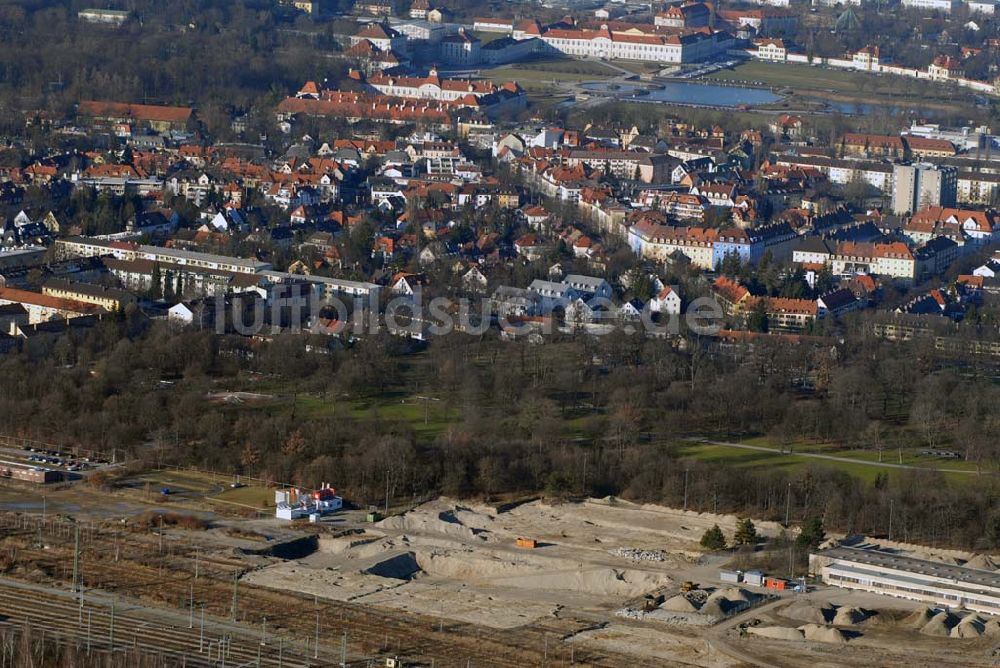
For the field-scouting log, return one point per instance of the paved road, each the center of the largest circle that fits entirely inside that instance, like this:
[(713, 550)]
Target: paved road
[(832, 458)]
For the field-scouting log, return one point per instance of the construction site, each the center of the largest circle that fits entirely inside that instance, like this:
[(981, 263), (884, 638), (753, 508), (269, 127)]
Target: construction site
[(600, 582)]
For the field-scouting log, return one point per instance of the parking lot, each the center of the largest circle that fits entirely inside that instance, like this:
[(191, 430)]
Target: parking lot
[(45, 457)]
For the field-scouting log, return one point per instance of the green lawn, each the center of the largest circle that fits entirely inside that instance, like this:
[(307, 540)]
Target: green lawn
[(801, 77), (549, 70), (427, 419), (730, 456), (487, 37), (250, 496), (191, 482)]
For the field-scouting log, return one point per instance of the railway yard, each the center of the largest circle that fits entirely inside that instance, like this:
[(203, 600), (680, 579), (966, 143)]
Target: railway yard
[(155, 591), (122, 572)]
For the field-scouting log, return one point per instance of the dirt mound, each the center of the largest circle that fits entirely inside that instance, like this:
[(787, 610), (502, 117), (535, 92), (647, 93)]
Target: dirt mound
[(679, 603), (443, 519), (598, 581), (918, 618), (848, 616), (721, 599), (985, 562), (971, 626), (777, 632), (714, 608), (400, 567), (737, 594), (940, 625), (821, 633), (813, 613)]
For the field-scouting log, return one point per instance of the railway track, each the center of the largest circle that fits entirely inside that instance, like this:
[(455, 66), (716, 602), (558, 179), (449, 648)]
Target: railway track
[(101, 628), (158, 580)]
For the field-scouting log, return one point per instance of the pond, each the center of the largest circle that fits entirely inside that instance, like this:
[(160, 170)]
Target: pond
[(695, 94)]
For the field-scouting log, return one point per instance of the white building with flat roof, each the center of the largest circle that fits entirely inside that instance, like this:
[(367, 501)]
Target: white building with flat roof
[(889, 574), (945, 6)]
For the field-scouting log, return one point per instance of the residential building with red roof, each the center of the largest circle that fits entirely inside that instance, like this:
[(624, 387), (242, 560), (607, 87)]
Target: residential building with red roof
[(159, 118), (944, 68)]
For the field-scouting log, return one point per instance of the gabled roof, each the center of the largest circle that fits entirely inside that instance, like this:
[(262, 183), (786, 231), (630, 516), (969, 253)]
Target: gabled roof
[(139, 112), (378, 31), (730, 290)]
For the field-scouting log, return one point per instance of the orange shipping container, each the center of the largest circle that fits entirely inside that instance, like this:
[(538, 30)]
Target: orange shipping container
[(527, 543)]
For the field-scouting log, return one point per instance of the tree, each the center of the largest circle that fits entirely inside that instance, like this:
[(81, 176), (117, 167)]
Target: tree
[(746, 532), (758, 320), (168, 287), (713, 539), (156, 283), (812, 534)]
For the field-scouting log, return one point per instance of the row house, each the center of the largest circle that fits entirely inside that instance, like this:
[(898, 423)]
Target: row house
[(977, 187), (659, 242), (979, 227), (935, 256), (682, 205), (639, 166), (43, 308), (869, 145), (194, 190), (894, 260), (717, 194), (356, 107), (842, 172), (785, 314)]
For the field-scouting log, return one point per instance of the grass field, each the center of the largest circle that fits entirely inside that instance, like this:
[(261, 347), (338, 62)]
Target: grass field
[(197, 485), (819, 84), (550, 70), (865, 468), (427, 418), (189, 483), (801, 77), (487, 37), (250, 496)]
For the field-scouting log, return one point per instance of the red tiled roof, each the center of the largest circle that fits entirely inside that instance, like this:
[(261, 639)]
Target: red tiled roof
[(140, 112)]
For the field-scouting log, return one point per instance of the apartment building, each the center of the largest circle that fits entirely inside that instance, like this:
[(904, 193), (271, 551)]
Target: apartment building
[(923, 184)]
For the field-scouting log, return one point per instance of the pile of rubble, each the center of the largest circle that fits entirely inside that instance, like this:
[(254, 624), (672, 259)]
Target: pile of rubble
[(636, 554), (631, 613)]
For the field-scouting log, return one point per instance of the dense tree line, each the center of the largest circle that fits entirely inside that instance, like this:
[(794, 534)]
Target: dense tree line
[(571, 417), (224, 58)]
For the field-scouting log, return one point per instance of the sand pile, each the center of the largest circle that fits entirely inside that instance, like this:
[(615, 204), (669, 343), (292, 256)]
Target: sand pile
[(821, 633), (727, 605), (715, 608), (598, 581), (984, 561), (847, 616), (777, 632), (940, 625), (971, 626), (443, 518), (356, 546), (918, 618), (821, 613), (737, 594), (679, 603)]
